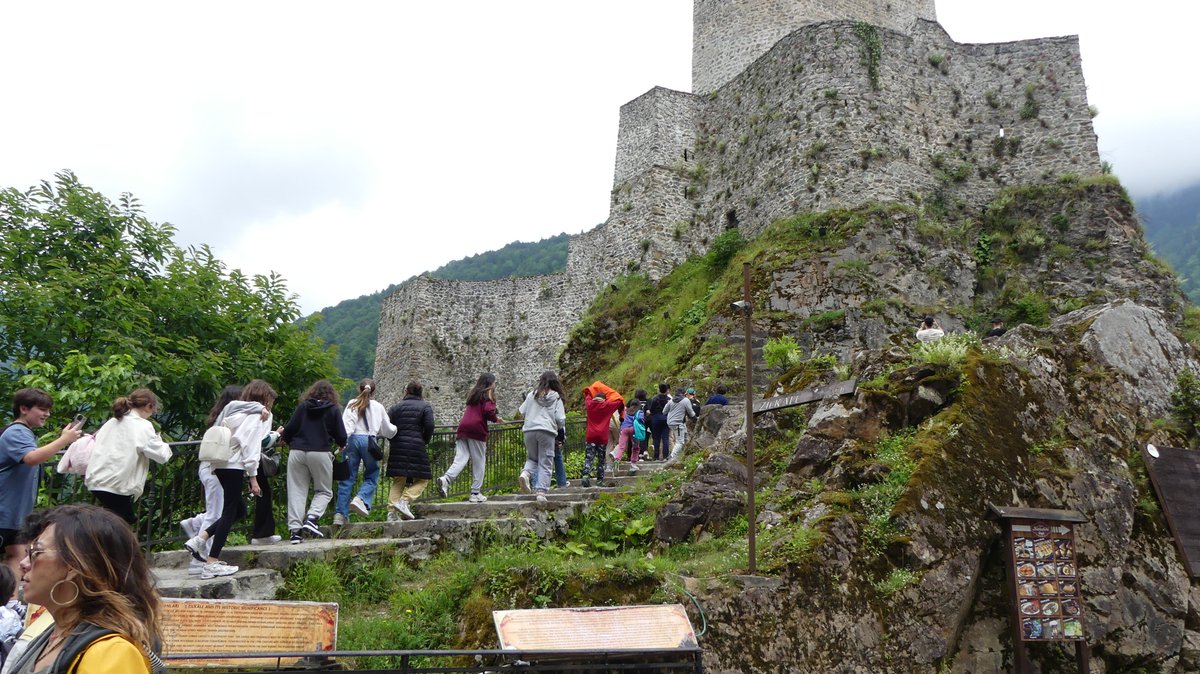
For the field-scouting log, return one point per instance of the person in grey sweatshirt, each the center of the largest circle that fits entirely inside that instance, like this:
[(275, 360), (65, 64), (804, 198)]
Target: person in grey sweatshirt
[(678, 411), (544, 416)]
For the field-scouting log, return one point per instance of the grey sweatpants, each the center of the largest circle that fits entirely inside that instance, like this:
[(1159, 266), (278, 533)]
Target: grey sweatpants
[(474, 450), (304, 469), (539, 457)]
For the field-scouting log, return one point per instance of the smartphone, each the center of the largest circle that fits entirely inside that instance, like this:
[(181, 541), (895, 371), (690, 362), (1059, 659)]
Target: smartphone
[(80, 420)]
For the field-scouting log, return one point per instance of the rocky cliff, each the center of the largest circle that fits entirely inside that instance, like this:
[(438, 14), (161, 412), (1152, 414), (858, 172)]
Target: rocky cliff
[(875, 554)]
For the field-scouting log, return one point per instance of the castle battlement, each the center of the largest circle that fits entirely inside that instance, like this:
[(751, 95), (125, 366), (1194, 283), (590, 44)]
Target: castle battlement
[(828, 114)]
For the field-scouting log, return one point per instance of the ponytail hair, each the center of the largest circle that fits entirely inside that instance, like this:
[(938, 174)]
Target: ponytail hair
[(366, 391), (139, 398)]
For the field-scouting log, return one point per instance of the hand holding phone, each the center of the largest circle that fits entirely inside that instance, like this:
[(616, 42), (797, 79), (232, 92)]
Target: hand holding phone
[(79, 421)]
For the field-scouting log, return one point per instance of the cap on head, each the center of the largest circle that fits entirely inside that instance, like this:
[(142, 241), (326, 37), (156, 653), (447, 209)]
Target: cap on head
[(691, 391)]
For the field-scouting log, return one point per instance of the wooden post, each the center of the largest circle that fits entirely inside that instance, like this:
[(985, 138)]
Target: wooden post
[(751, 515)]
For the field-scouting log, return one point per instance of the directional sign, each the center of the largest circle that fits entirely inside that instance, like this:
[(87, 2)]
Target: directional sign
[(1175, 474), (808, 395)]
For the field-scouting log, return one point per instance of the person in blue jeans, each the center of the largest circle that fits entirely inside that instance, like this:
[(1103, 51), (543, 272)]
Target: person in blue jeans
[(658, 423), (364, 418)]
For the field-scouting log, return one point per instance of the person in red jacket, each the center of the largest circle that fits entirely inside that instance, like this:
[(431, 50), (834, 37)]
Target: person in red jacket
[(600, 407)]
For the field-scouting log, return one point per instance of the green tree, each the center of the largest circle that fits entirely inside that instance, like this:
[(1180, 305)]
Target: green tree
[(84, 281)]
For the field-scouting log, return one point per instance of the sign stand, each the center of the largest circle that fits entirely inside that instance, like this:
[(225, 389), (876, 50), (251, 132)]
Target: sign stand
[(1043, 580)]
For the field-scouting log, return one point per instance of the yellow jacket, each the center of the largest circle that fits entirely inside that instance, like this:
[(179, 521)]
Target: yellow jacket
[(111, 653)]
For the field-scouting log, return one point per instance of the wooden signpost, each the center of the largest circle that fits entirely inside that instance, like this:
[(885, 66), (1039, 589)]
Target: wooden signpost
[(1175, 475), (808, 395), (1043, 580)]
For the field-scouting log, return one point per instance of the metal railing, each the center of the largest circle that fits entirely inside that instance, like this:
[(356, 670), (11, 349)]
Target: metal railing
[(606, 661), (173, 489)]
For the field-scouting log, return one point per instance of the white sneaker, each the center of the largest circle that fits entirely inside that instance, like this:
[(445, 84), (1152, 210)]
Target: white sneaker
[(523, 480), (359, 506), (405, 511), (196, 546), (477, 498), (269, 540), (339, 520), (633, 469), (443, 486), (541, 498), (217, 568), (189, 527)]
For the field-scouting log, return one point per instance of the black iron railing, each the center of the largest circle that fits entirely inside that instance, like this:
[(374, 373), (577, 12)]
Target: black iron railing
[(173, 489), (640, 661)]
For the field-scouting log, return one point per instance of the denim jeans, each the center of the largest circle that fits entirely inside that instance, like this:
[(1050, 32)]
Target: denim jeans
[(560, 470), (356, 451)]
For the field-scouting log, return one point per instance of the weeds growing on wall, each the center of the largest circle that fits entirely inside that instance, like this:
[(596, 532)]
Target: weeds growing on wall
[(872, 50)]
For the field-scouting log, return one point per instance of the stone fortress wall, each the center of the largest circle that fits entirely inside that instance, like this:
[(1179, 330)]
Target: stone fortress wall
[(729, 35), (829, 114)]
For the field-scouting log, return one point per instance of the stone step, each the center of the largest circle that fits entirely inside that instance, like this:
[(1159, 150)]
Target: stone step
[(245, 584), (282, 556), (459, 534), (526, 507)]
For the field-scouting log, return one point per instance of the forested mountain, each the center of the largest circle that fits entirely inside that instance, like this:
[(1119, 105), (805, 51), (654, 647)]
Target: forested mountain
[(353, 324), (1172, 223)]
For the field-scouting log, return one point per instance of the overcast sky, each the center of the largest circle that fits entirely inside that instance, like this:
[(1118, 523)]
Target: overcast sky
[(351, 145)]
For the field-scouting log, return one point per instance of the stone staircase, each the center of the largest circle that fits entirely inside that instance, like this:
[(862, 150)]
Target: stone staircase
[(440, 525)]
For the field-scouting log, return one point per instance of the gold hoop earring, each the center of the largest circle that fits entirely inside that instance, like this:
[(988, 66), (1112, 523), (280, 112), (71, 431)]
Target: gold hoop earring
[(55, 587)]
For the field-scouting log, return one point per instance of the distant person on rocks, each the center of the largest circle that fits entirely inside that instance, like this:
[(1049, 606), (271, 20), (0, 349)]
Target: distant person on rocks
[(471, 443), (599, 408), (627, 422), (249, 421), (998, 328), (718, 398), (930, 330), (408, 459), (213, 496), (363, 419), (20, 458), (315, 427), (659, 430), (690, 394), (544, 415), (125, 445), (678, 411)]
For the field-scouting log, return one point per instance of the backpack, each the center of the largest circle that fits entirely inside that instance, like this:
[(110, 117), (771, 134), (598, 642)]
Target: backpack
[(639, 427), (217, 444), (75, 460)]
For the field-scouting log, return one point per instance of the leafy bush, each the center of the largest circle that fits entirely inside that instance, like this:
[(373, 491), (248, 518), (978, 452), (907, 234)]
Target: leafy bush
[(781, 352), (723, 248), (949, 350), (897, 580)]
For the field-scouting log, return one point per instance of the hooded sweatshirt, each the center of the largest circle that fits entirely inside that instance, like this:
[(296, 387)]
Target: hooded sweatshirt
[(543, 414), (314, 426), (598, 414), (678, 411), (244, 419)]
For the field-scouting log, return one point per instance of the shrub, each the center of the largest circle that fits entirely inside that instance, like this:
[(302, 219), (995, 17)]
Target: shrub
[(723, 248), (781, 352), (949, 350)]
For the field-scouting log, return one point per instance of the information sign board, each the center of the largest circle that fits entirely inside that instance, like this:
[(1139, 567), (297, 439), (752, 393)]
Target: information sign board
[(614, 627), (235, 626)]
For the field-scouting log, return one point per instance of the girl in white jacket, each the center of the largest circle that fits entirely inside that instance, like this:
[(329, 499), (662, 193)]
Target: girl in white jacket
[(249, 421), (364, 418), (125, 445)]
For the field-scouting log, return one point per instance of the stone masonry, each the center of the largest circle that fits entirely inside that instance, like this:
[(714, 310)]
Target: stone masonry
[(831, 113)]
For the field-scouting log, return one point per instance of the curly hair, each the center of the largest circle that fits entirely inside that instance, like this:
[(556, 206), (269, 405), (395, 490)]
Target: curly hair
[(116, 588)]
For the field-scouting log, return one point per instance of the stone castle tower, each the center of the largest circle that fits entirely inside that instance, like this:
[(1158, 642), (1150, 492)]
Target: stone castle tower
[(797, 106)]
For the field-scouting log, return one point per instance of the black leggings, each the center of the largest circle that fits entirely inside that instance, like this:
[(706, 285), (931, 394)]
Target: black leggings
[(121, 505), (264, 518), (233, 508)]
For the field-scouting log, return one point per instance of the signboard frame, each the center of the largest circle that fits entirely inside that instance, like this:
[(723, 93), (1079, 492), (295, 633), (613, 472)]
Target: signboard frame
[(1040, 554)]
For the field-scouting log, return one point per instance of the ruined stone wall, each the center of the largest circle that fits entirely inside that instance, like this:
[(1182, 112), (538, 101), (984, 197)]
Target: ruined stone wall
[(445, 333), (657, 128), (729, 35), (804, 128)]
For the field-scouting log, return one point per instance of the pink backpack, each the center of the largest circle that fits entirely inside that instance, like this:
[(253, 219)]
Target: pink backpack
[(75, 460)]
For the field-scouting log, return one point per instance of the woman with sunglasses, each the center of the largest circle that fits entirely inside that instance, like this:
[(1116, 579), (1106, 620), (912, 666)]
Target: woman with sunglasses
[(87, 569)]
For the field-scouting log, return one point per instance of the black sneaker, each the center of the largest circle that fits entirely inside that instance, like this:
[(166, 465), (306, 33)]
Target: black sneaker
[(587, 482), (310, 525), (296, 537)]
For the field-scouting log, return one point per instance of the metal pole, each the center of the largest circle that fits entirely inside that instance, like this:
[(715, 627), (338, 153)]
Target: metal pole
[(751, 515)]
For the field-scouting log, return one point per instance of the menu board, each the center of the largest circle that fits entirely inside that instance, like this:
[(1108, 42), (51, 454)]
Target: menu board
[(1047, 582)]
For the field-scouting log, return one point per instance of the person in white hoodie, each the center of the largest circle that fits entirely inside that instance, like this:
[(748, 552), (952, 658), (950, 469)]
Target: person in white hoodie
[(249, 421), (125, 445), (364, 419), (544, 416)]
